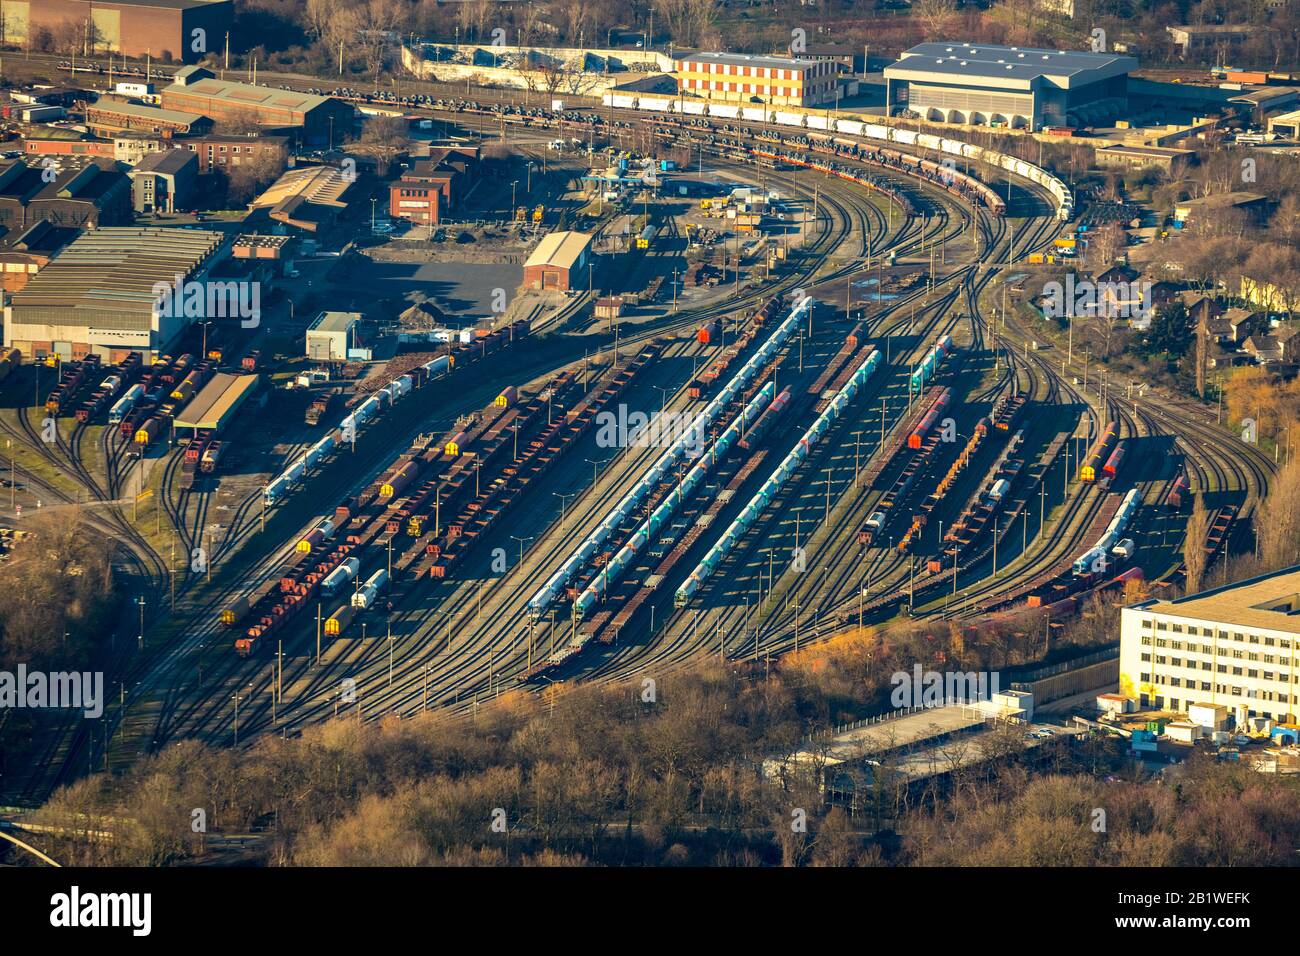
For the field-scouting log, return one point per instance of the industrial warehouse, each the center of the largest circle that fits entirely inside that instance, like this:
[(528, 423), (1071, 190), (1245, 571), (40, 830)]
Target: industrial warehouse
[(1007, 86), (100, 296), (655, 431)]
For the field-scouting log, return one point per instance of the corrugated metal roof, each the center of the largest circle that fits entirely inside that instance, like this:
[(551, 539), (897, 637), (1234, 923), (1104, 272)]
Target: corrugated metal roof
[(118, 267), (248, 95), (560, 250), (316, 184), (217, 401), (142, 111), (335, 322)]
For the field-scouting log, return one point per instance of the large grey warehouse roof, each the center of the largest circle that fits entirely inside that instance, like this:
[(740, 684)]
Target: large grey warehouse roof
[(117, 267), (1021, 65), (335, 322)]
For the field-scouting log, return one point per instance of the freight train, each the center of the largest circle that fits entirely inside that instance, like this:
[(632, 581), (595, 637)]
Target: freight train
[(1094, 462), (819, 120), (930, 364), (932, 417), (1100, 552), (683, 489), (764, 496), (578, 560), (440, 511)]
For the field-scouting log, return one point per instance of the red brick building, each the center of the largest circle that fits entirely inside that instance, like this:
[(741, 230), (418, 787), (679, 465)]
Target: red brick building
[(434, 186), (163, 28), (559, 263), (68, 147), (309, 117), (216, 151)]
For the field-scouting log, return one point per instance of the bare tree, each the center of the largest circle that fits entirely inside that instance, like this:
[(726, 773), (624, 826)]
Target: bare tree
[(1198, 525), (936, 15), (1278, 522)]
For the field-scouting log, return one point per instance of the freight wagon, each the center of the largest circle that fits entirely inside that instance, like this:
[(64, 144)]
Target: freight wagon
[(709, 334), (1099, 453), (929, 365), (932, 417), (338, 622), (1174, 501)]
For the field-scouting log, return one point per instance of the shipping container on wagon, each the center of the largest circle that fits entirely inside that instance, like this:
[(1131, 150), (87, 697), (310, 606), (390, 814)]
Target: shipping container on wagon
[(857, 337)]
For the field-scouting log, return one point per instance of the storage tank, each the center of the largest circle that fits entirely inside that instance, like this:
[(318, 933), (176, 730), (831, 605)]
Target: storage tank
[(337, 622), (317, 536), (398, 480), (456, 444), (345, 572)]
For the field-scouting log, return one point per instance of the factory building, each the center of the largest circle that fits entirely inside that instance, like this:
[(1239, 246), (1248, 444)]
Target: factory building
[(558, 261), (433, 186), (331, 335), (103, 294), (740, 78), (1007, 86), (1234, 646), (107, 117), (83, 194), (28, 251), (163, 28), (305, 198), (307, 116)]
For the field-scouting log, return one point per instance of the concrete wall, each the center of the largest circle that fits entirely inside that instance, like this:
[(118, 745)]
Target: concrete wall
[(586, 84)]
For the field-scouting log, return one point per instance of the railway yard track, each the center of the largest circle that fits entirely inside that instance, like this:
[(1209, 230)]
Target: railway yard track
[(452, 643)]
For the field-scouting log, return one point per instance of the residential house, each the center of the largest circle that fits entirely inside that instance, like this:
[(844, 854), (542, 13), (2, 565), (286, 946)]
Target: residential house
[(1265, 349)]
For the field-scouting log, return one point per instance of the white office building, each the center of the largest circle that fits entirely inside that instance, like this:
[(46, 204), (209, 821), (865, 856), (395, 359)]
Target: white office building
[(1234, 647)]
